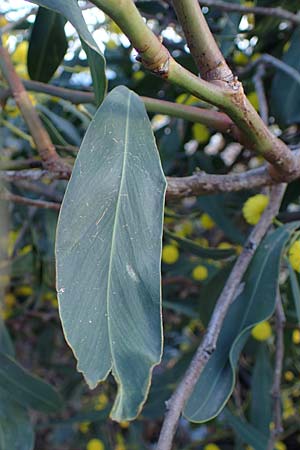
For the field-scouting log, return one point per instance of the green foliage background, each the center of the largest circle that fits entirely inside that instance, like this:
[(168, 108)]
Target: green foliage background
[(57, 410)]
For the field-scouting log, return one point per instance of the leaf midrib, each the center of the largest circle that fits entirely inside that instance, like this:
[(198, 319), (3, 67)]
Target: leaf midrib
[(109, 275)]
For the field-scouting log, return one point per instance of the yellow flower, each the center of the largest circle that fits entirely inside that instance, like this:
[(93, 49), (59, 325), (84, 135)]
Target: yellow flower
[(288, 408), (138, 76), (240, 58), (294, 256), (254, 207), (3, 21), (101, 402), (187, 99), (224, 245), (200, 273), (279, 445), (211, 447), (170, 254), (288, 375), (95, 444), (200, 133), (24, 291), (124, 424), (20, 54), (9, 300), (296, 337), (253, 99), (206, 222), (262, 331), (84, 427), (203, 242)]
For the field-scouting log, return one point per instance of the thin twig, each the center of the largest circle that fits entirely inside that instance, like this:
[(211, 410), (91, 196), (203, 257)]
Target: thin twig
[(5, 195), (200, 183), (177, 402), (45, 147), (267, 59), (261, 94), (277, 414), (278, 12)]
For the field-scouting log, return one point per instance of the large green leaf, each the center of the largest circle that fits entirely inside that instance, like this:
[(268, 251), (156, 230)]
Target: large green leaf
[(108, 252), (15, 429), (47, 45), (285, 91), (26, 389), (261, 385), (253, 305), (72, 12)]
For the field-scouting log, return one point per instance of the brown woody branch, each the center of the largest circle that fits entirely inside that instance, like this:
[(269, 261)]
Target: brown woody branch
[(278, 12), (46, 149), (178, 400)]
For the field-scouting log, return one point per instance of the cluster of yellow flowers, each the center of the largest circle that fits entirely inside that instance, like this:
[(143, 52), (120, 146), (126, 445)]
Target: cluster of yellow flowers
[(95, 444)]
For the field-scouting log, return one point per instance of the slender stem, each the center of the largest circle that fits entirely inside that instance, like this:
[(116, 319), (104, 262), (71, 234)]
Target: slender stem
[(261, 94), (215, 119), (41, 138), (280, 322), (28, 201), (278, 12), (177, 402), (206, 53), (267, 59)]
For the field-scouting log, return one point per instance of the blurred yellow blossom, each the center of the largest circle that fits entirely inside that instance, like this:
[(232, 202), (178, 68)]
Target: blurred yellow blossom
[(200, 133), (101, 402), (262, 331), (294, 255), (170, 254), (206, 222), (200, 273), (95, 444), (84, 427), (296, 337), (211, 447), (254, 207)]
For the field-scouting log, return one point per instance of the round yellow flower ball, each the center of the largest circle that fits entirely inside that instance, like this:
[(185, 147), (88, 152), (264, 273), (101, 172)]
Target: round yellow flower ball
[(200, 273), (254, 207), (95, 444), (170, 254), (296, 337), (211, 447), (262, 331), (206, 222), (294, 256)]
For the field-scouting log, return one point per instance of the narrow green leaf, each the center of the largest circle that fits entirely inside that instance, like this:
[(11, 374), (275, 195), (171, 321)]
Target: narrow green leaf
[(26, 389), (6, 345), (255, 304), (72, 12), (246, 432), (295, 291), (108, 252), (16, 431), (285, 90), (48, 45), (196, 249), (261, 385)]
